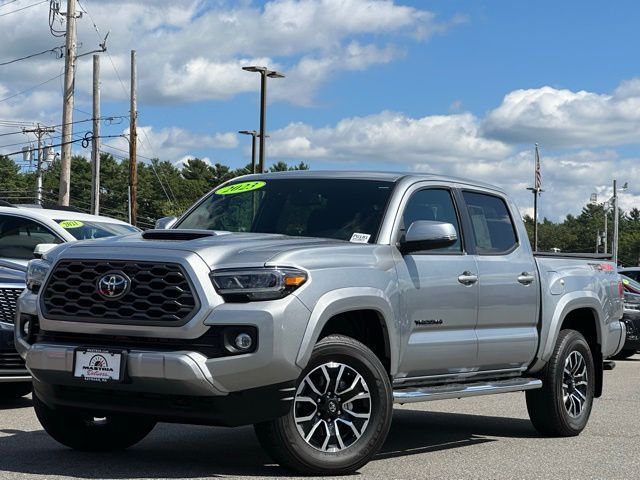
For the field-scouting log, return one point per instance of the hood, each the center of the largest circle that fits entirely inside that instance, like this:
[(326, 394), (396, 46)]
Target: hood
[(221, 249)]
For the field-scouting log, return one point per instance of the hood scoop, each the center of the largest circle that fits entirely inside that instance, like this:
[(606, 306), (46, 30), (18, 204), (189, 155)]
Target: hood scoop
[(177, 235)]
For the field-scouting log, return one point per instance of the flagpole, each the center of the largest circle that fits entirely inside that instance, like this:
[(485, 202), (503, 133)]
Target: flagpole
[(536, 190)]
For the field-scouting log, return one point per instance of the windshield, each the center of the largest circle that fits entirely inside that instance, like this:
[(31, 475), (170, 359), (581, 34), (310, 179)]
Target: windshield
[(84, 230), (329, 208), (630, 285)]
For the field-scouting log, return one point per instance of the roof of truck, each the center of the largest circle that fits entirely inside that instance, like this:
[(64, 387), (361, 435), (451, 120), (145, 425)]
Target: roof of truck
[(367, 175)]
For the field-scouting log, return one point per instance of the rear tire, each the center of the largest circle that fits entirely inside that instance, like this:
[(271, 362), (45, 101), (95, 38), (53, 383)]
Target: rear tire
[(624, 354), (561, 408), (11, 391), (341, 413), (87, 433)]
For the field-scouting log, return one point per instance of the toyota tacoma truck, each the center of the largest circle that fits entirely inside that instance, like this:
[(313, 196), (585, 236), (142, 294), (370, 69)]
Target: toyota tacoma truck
[(307, 304)]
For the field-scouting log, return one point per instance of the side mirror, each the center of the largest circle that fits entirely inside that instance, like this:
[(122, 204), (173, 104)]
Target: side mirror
[(165, 222), (43, 248), (428, 235)]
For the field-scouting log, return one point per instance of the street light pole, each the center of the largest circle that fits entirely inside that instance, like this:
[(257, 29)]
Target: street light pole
[(253, 134), (616, 219), (264, 73), (615, 223)]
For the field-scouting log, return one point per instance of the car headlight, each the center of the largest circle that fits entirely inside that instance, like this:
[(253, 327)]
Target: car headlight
[(36, 272), (254, 284)]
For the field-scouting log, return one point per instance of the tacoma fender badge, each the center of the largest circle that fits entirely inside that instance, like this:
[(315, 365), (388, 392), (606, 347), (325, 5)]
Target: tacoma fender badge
[(438, 321)]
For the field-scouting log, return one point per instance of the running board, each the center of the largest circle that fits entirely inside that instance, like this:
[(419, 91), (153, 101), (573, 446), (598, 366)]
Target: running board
[(460, 390)]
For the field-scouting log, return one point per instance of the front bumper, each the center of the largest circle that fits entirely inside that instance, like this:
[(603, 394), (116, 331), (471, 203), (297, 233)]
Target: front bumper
[(183, 384)]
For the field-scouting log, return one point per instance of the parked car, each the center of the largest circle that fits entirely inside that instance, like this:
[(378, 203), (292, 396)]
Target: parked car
[(631, 272), (631, 317), (307, 303), (21, 231)]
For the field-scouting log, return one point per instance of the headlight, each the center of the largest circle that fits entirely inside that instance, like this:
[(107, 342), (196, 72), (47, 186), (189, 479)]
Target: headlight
[(36, 271), (257, 283)]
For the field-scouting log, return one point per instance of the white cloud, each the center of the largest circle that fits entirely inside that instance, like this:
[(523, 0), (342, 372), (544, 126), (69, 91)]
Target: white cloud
[(454, 145), (391, 137), (192, 50), (563, 118), (173, 143)]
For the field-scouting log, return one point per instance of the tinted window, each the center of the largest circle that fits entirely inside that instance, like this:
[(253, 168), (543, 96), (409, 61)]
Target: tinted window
[(491, 222), (19, 236), (85, 230), (633, 274), (329, 208), (432, 204)]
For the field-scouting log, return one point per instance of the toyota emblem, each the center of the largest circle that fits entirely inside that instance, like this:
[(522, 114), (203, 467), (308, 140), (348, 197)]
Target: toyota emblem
[(113, 285)]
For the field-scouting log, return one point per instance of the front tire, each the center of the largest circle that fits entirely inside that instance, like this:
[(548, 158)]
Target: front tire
[(341, 412), (87, 433), (561, 408), (12, 391)]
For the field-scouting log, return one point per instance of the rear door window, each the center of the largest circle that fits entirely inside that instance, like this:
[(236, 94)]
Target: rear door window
[(19, 237), (491, 223)]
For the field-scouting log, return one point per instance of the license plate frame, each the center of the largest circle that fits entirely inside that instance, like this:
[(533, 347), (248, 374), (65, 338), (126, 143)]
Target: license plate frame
[(99, 365)]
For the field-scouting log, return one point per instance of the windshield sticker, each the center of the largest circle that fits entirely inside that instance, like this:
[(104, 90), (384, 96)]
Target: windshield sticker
[(360, 238), (240, 188), (71, 224)]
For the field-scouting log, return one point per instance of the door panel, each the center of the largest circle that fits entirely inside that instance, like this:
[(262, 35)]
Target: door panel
[(439, 310), (441, 314), (508, 286)]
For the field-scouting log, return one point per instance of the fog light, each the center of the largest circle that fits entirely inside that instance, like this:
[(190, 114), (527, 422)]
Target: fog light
[(243, 341), (25, 328)]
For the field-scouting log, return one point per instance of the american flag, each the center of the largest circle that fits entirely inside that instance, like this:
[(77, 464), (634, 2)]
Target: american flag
[(538, 180)]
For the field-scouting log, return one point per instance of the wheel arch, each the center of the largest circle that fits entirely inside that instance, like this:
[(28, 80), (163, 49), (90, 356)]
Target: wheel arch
[(356, 312)]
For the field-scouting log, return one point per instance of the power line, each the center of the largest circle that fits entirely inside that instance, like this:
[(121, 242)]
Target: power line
[(23, 8), (7, 3), (31, 88), (51, 50)]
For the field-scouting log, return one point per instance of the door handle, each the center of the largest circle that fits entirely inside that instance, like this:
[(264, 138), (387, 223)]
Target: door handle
[(525, 278), (467, 278)]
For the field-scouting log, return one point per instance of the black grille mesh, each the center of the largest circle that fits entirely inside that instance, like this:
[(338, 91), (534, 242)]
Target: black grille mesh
[(11, 361), (8, 301), (159, 294)]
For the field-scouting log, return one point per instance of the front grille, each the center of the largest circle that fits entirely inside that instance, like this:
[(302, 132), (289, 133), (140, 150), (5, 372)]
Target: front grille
[(160, 294), (11, 361), (8, 303)]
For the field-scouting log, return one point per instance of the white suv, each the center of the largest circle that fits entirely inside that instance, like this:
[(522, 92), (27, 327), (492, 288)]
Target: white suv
[(21, 230)]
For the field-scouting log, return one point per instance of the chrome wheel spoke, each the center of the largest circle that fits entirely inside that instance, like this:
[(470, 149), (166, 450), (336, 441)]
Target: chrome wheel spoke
[(352, 426)]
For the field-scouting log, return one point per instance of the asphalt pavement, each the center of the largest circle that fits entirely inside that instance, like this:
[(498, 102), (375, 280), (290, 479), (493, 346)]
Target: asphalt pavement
[(475, 438)]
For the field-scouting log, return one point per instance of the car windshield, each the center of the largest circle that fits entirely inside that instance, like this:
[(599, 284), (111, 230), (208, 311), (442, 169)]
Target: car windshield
[(89, 230), (329, 208), (630, 285)]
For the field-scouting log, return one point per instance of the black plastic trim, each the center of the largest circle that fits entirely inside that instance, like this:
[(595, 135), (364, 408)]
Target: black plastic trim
[(235, 409)]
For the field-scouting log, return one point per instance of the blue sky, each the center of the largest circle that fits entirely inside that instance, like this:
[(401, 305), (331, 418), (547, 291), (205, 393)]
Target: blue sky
[(455, 87)]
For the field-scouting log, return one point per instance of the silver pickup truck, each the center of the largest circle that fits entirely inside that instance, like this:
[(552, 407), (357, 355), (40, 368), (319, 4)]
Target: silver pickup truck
[(306, 304)]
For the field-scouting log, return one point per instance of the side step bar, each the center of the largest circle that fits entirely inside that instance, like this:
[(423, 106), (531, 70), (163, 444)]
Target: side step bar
[(460, 390)]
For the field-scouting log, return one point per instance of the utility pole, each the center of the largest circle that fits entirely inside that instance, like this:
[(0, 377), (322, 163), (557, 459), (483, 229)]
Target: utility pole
[(95, 143), (133, 143), (39, 131), (67, 103)]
